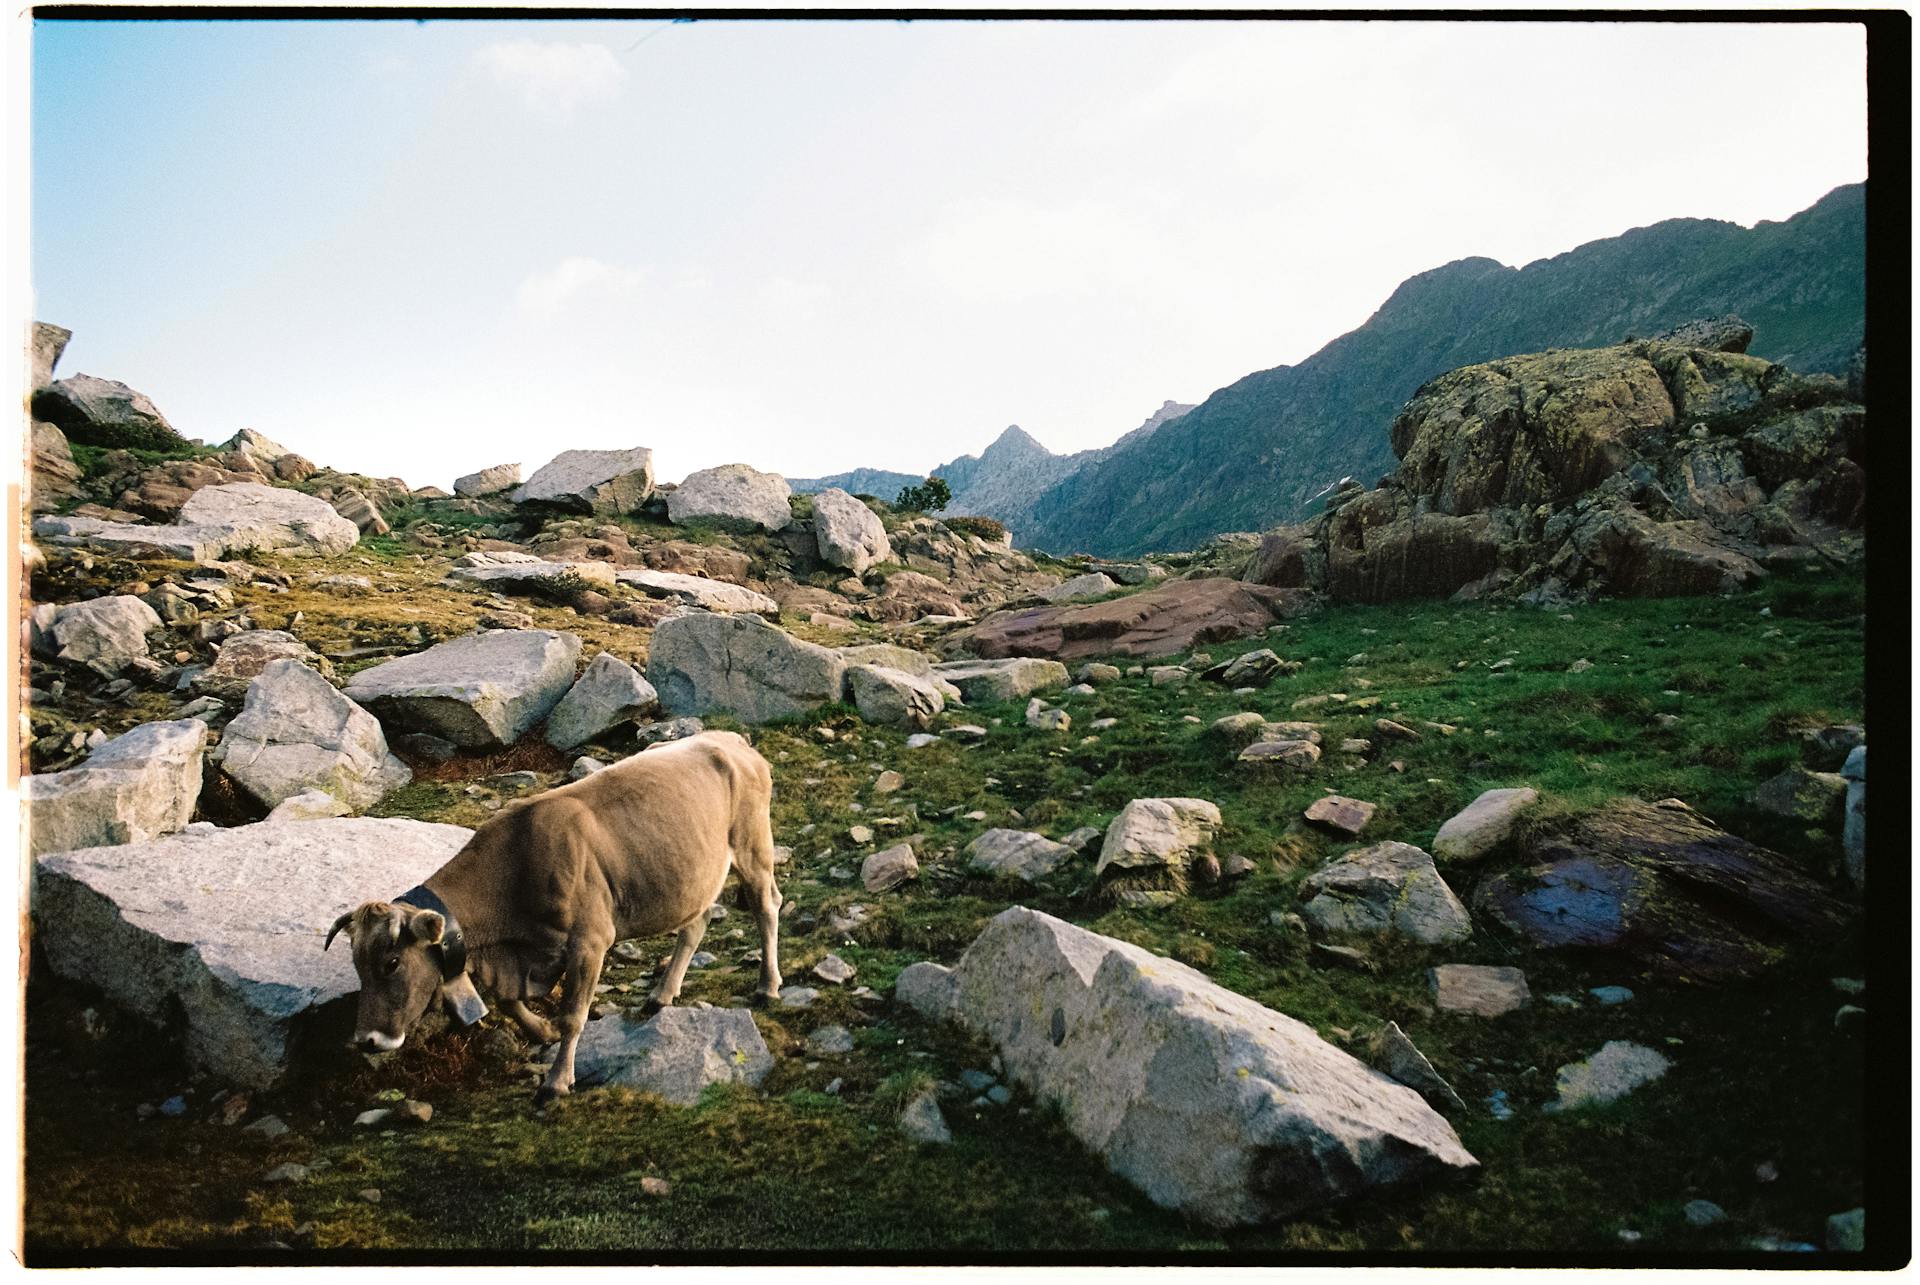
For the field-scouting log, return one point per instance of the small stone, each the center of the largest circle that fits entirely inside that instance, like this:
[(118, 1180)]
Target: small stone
[(269, 1126), (174, 1107), (369, 1194), (830, 1041), (999, 1095), (834, 970), (860, 834), (1619, 1068), (656, 1187), (920, 740), (1847, 1232), (923, 1122), (889, 868), (288, 1173), (1482, 990), (1610, 995), (374, 1118), (1703, 1213), (797, 996), (975, 1081), (1337, 812), (1766, 1171), (1497, 1105), (888, 782)]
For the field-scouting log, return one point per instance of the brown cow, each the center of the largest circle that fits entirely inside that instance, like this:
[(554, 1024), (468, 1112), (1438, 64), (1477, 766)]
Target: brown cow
[(542, 890)]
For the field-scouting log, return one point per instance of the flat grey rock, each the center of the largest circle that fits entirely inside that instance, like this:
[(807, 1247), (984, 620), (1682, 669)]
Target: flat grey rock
[(539, 576), (1619, 1068), (1002, 680), (223, 928), (893, 697), (1481, 990), (1019, 853), (107, 633), (480, 691), (676, 1053), (698, 591), (487, 481), (138, 786), (1482, 825), (922, 1121)]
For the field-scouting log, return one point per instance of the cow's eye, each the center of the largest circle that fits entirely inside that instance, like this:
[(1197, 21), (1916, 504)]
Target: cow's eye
[(393, 964)]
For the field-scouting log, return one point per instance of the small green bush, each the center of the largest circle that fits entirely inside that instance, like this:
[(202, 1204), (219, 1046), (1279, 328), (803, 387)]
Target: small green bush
[(988, 529), (932, 495)]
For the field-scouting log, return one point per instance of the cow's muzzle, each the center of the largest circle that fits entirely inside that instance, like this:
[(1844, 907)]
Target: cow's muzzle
[(377, 1042)]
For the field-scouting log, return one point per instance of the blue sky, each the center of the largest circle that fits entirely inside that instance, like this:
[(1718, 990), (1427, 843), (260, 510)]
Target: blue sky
[(417, 249)]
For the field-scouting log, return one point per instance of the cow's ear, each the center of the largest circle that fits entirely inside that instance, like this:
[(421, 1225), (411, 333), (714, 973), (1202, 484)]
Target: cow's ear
[(426, 927)]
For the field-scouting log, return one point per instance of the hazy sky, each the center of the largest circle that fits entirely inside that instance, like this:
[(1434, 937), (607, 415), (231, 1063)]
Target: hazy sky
[(421, 248)]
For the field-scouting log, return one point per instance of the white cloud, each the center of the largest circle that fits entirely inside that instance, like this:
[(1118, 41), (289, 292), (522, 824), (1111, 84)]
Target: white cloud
[(553, 77), (576, 280)]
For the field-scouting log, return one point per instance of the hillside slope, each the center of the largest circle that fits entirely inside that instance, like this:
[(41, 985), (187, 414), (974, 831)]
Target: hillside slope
[(1254, 453)]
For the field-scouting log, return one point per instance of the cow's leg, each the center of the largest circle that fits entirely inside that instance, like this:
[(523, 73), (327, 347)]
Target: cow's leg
[(538, 1028), (684, 945), (753, 864), (576, 998)]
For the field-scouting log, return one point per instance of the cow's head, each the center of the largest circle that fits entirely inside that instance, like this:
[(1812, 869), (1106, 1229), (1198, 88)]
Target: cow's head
[(399, 971)]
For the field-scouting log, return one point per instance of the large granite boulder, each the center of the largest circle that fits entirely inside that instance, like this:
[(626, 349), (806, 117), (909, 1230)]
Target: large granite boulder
[(676, 1053), (353, 504), (1662, 887), (480, 691), (1209, 1103), (162, 490), (220, 931), (1158, 835), (733, 497), (267, 519), (297, 733), (848, 533), (698, 591), (604, 482), (104, 633), (105, 412), (1170, 618), (608, 692), (740, 665), (488, 481), (1387, 890), (1002, 680), (245, 656), (894, 697), (138, 786)]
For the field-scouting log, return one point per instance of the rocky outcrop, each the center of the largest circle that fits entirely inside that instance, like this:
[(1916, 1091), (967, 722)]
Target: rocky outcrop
[(1649, 469), (677, 1053), (488, 481), (104, 412), (1169, 618), (740, 665), (480, 691), (298, 734), (606, 482), (46, 344), (732, 497), (217, 933), (848, 533), (1095, 584), (559, 580), (138, 786), (699, 591), (1663, 887), (218, 521), (608, 693), (1206, 1101)]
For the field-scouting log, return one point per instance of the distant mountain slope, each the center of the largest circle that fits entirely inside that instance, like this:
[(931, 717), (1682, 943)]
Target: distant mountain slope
[(1002, 481), (1252, 454)]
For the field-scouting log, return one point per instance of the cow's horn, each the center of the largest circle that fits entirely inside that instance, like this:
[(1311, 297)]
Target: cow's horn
[(334, 931)]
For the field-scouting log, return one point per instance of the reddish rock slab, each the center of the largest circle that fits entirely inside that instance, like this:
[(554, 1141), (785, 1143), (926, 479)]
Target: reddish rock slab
[(1163, 621), (1337, 812)]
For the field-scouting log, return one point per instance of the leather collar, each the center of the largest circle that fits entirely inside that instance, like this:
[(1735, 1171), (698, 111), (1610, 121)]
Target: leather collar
[(452, 946)]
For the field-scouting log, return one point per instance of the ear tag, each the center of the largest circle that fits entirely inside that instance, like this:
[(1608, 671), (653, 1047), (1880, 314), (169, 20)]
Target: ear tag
[(465, 1001)]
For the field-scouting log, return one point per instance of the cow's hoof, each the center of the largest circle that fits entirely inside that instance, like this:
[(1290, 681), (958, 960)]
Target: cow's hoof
[(546, 1093), (764, 997), (652, 1005)]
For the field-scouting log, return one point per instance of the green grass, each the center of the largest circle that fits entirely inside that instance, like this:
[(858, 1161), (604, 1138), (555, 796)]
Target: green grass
[(1759, 1072)]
